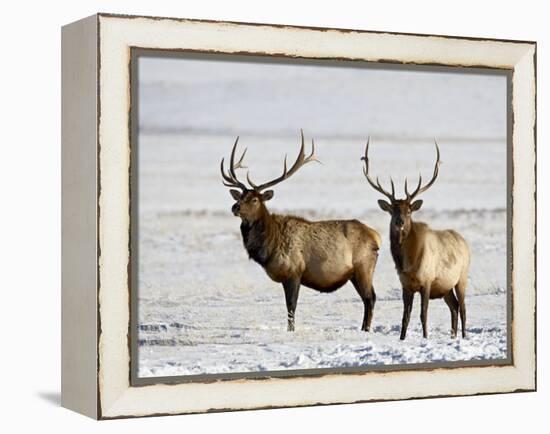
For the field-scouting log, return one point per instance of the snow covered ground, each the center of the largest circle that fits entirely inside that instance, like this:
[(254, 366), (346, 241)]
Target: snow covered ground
[(205, 308)]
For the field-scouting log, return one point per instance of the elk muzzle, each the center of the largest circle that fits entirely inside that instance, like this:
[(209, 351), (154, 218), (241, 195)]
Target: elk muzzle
[(236, 209)]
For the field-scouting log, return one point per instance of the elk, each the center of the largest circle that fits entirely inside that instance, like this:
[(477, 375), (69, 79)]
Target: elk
[(431, 262), (322, 255)]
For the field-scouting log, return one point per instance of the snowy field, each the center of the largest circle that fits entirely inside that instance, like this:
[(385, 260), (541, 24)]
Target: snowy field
[(205, 308)]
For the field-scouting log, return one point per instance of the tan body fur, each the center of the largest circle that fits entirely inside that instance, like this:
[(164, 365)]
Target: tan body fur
[(433, 263), (324, 254), (436, 258)]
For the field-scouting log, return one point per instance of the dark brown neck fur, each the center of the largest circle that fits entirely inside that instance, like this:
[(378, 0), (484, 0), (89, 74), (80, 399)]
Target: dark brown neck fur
[(258, 238), (396, 250), (406, 247)]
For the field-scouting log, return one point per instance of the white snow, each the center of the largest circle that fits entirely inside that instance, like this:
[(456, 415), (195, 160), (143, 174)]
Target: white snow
[(204, 307)]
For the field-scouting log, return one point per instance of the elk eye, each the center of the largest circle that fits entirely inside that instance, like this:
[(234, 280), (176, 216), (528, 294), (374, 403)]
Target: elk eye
[(255, 200)]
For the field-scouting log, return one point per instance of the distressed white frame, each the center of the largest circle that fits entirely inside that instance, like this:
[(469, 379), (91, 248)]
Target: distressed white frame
[(117, 34)]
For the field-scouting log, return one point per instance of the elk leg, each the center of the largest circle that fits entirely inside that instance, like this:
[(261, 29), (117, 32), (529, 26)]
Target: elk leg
[(425, 298), (370, 309), (408, 297), (363, 284), (292, 288), (460, 290), (452, 302)]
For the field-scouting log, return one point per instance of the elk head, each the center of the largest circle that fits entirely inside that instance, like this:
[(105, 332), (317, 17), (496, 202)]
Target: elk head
[(249, 205), (400, 209)]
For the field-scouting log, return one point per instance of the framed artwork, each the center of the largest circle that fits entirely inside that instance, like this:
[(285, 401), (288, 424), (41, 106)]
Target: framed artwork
[(263, 216)]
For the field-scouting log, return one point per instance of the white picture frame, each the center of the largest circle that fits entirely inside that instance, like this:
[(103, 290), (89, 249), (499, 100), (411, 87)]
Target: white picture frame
[(96, 184)]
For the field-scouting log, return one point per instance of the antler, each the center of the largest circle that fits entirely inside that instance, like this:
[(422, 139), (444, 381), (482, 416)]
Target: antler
[(230, 179), (419, 189), (300, 161), (376, 185)]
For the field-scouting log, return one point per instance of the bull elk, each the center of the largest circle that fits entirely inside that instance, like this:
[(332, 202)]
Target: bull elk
[(293, 251), (432, 262)]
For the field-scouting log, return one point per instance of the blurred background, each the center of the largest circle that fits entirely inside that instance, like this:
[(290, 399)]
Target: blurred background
[(269, 97)]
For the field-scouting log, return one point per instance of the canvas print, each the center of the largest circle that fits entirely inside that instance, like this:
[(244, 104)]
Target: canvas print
[(295, 216)]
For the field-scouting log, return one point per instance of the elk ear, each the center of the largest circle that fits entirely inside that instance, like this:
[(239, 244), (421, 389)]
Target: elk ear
[(267, 195), (385, 206), (235, 194), (415, 206)]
